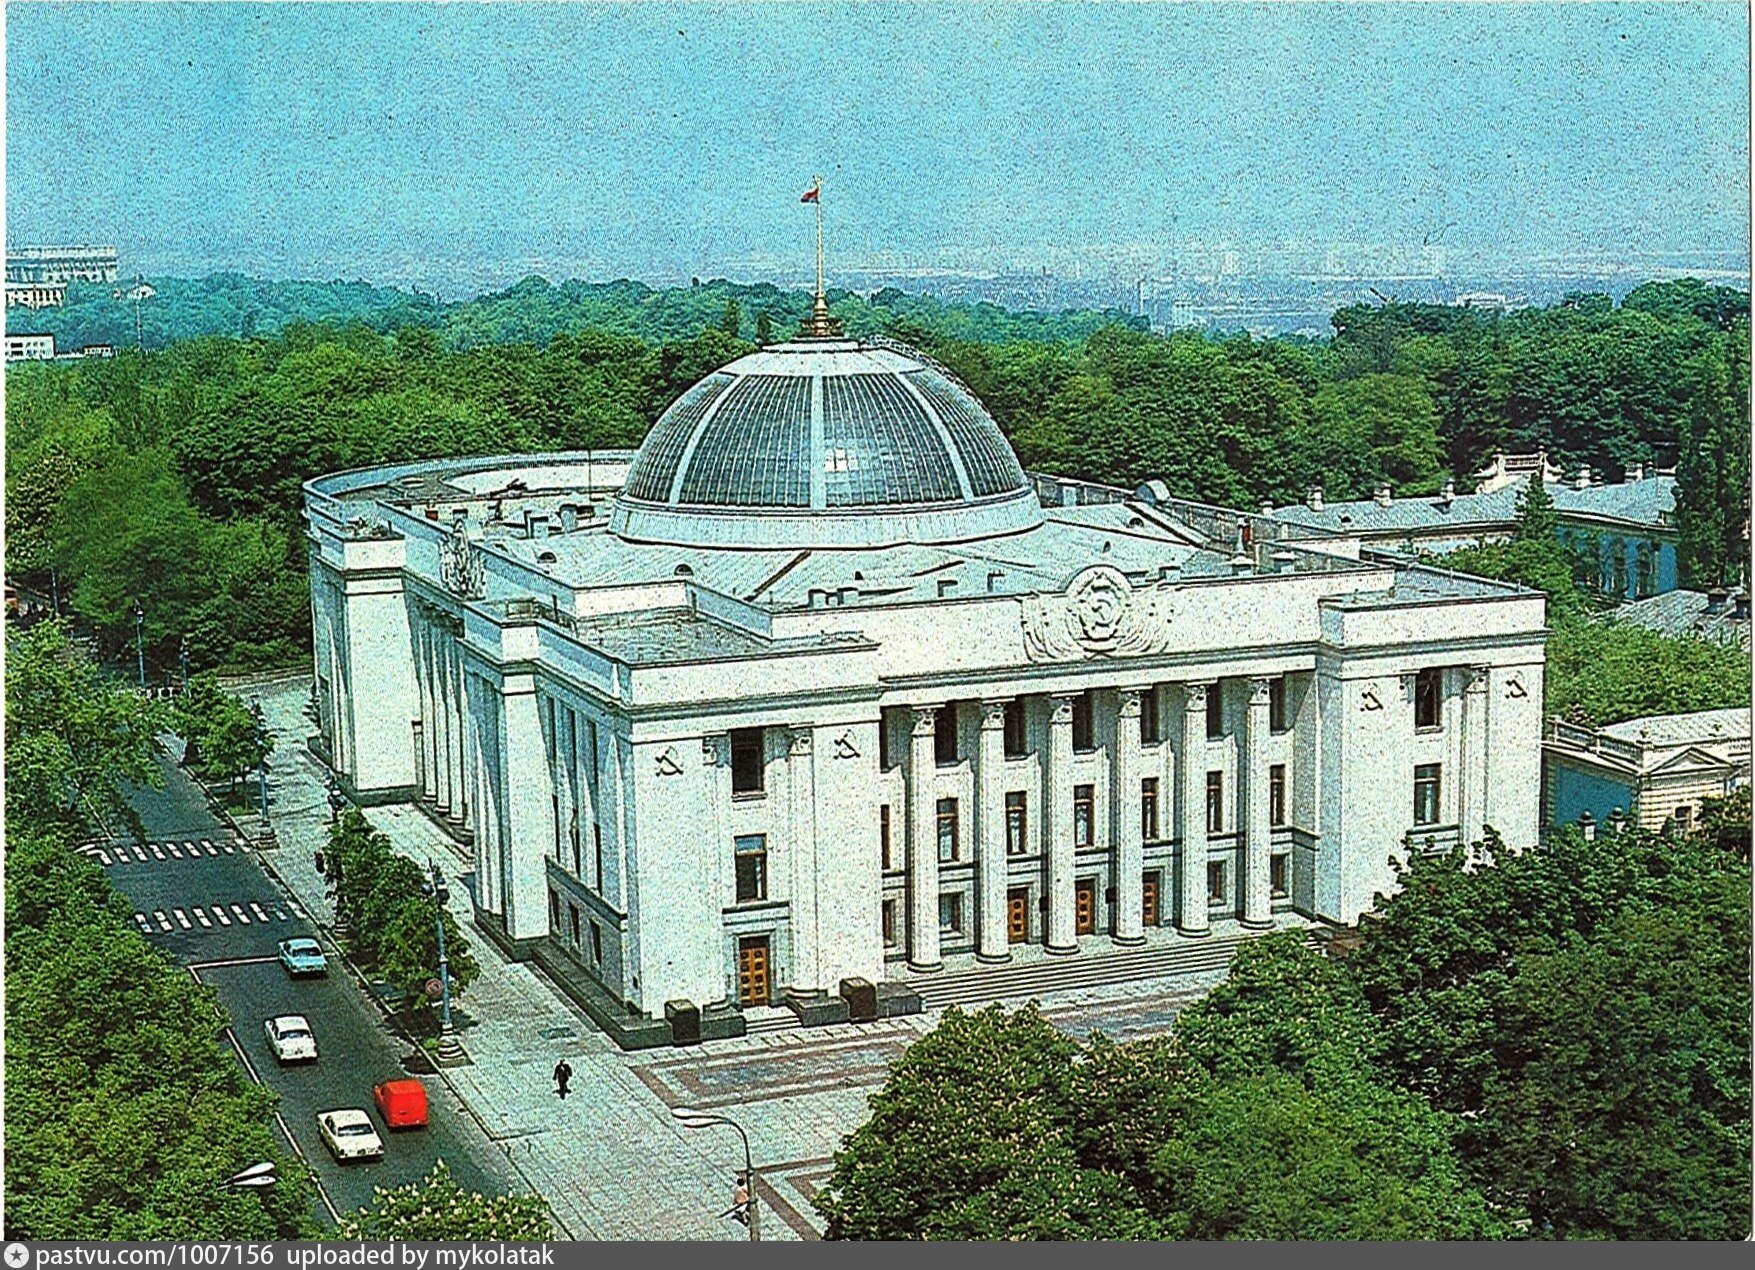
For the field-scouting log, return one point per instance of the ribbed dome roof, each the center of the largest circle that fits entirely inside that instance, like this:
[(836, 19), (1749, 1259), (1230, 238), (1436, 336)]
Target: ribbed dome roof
[(825, 443)]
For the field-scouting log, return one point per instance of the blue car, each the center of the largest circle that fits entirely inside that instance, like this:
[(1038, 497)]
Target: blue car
[(303, 957)]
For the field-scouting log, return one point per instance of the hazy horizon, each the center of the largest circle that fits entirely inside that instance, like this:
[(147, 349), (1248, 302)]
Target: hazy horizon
[(415, 143)]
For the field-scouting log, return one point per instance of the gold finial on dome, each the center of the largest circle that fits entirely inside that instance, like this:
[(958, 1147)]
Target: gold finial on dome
[(820, 325)]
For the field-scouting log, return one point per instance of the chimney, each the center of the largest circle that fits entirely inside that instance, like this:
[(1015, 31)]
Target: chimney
[(569, 518), (1740, 604), (536, 524), (1716, 599), (1241, 564), (1168, 571), (1582, 480), (1285, 561), (1447, 495), (946, 586), (993, 580), (1617, 821), (1381, 495), (1313, 500), (846, 593), (1267, 508), (1587, 825)]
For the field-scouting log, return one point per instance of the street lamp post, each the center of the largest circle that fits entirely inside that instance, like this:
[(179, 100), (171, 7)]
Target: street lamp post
[(689, 1118), (140, 642), (266, 832), (450, 1050), (183, 662)]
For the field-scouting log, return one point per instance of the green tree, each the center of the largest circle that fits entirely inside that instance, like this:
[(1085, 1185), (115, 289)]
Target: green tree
[(437, 1207), (764, 328), (732, 321), (222, 731), (1712, 474)]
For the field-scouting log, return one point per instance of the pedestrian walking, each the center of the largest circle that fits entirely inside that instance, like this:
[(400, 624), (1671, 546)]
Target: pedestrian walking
[(740, 1201), (563, 1074), (317, 859)]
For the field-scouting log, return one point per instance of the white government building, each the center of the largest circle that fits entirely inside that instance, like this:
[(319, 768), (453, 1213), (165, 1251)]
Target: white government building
[(821, 685)]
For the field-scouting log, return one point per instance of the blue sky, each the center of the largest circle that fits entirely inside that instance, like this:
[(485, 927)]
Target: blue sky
[(381, 141)]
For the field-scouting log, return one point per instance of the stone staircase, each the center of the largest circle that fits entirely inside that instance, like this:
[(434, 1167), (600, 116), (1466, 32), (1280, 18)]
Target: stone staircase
[(985, 985)]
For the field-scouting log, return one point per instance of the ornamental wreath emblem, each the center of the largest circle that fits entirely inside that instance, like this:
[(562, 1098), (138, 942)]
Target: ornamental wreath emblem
[(1101, 614), (461, 567)]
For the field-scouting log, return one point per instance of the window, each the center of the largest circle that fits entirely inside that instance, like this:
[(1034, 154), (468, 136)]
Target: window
[(885, 760), (889, 911), (884, 835), (746, 761), (597, 854), (554, 911), (1149, 733), (1277, 877), (578, 864), (556, 800), (947, 830), (1084, 734), (1014, 728), (1277, 704), (1149, 809), (944, 735), (1016, 824), (573, 923), (1277, 795), (596, 943), (950, 914), (1684, 817), (1215, 802), (1426, 794), (1428, 699), (1084, 797), (1215, 713), (1215, 881), (752, 868)]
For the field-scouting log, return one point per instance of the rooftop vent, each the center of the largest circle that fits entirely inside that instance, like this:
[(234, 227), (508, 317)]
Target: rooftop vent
[(536, 524), (1716, 599), (1241, 564), (994, 577), (1168, 571), (1447, 495), (1313, 500), (1382, 495), (569, 518), (1267, 508), (948, 585), (1582, 480), (1285, 561), (683, 571), (545, 557), (847, 595)]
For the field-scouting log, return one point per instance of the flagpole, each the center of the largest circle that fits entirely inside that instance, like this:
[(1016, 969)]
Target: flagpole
[(819, 190)]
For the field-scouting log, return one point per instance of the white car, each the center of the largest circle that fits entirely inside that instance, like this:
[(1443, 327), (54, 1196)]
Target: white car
[(289, 1036), (350, 1135)]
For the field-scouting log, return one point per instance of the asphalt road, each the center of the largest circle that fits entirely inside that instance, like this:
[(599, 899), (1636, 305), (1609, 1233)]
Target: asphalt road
[(207, 901)]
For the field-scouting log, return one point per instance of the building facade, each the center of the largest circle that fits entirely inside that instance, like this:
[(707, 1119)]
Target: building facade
[(814, 687), (35, 295), (30, 348), (61, 264), (1645, 771)]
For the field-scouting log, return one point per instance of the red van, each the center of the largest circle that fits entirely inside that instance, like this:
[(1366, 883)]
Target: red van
[(402, 1103)]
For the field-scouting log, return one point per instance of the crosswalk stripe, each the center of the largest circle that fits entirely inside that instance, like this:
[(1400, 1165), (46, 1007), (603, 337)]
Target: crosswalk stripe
[(172, 848), (164, 923), (257, 909), (104, 858), (140, 921), (139, 852), (280, 916), (219, 912), (229, 849), (211, 849), (201, 917), (182, 920), (156, 852), (240, 915)]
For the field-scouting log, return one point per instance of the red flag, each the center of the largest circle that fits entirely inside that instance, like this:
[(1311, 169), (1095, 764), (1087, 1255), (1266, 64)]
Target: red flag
[(810, 195)]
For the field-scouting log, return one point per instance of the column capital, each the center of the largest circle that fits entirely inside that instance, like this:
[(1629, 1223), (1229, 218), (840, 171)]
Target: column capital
[(993, 714), (1194, 692), (1478, 676), (1130, 702), (1260, 691), (1061, 713), (799, 740), (925, 719)]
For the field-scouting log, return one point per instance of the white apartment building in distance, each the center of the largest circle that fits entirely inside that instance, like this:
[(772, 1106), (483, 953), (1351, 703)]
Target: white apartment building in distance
[(61, 264), (814, 688)]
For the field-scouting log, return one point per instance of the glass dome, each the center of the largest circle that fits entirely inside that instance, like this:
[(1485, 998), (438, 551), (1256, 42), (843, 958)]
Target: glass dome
[(825, 443)]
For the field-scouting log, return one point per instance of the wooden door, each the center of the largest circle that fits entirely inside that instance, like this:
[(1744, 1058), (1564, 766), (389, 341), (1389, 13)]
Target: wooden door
[(1149, 898), (752, 971), (1085, 907), (1017, 915)]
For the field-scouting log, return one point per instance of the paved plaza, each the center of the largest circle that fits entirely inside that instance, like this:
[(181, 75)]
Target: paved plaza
[(610, 1159)]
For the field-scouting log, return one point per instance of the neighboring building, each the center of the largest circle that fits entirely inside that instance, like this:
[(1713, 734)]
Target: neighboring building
[(35, 295), (1719, 616), (1629, 527), (813, 687), (1646, 770), (29, 348), (90, 350), (81, 263)]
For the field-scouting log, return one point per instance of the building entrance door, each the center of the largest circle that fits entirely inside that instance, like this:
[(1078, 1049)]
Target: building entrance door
[(752, 971), (1085, 907), (1017, 915), (1149, 898)]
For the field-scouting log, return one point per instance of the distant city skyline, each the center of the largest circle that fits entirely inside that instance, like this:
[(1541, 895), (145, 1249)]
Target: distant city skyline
[(458, 146)]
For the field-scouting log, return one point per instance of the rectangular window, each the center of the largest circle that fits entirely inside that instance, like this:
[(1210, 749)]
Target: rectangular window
[(1016, 824), (556, 800), (884, 835), (1149, 809), (1084, 730), (573, 924), (1215, 881), (746, 761), (1277, 795), (1084, 800), (1277, 877), (1429, 699), (1277, 704), (1215, 802), (1215, 713), (950, 914), (944, 735), (889, 911), (1426, 794), (885, 761), (752, 868), (1149, 734), (554, 911), (578, 863), (596, 943), (947, 830), (1014, 728), (597, 855), (1684, 818)]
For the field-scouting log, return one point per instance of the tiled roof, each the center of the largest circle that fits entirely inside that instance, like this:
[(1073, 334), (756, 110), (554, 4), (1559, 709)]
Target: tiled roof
[(1683, 729), (1646, 502), (1685, 613)]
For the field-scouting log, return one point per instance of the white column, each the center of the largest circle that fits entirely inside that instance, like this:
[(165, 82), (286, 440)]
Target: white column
[(445, 793), (1257, 837), (429, 715), (517, 808), (465, 813), (1124, 819), (801, 847), (990, 831), (1192, 885), (1472, 779), (923, 942), (1057, 814)]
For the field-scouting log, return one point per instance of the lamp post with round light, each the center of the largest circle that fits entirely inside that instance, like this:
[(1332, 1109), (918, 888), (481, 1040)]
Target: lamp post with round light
[(690, 1118), (450, 1050), (140, 643)]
